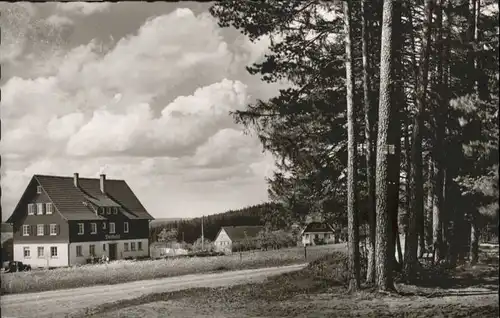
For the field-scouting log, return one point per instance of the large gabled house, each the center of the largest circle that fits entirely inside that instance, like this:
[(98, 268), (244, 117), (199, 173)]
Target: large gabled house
[(230, 235), (64, 221)]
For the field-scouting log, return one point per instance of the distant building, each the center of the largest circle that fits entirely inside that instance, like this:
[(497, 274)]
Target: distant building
[(230, 235), (62, 221), (318, 231)]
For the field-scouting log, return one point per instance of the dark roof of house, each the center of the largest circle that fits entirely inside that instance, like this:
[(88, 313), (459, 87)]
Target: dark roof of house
[(5, 227), (69, 200), (238, 233), (315, 227)]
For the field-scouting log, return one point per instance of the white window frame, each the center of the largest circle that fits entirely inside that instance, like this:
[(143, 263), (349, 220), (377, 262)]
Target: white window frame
[(115, 210), (39, 208), (125, 227), (53, 255), (38, 227), (112, 229), (38, 189), (53, 229), (26, 249), (40, 248), (79, 251), (48, 208), (93, 228), (132, 246), (125, 247), (81, 229), (139, 246), (26, 230), (31, 209), (92, 249)]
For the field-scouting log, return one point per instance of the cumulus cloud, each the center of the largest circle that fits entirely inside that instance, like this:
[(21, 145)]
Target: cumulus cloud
[(122, 107), (83, 8), (59, 21)]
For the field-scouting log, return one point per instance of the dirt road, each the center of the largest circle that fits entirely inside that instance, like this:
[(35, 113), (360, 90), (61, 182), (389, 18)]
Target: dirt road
[(59, 303)]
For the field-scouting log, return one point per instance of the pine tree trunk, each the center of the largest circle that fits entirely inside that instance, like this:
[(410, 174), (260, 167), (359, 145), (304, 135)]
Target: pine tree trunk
[(399, 104), (383, 236), (369, 149), (416, 151), (352, 209), (474, 241), (430, 206), (437, 221)]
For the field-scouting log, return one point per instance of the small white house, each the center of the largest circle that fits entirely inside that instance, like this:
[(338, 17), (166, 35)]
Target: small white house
[(229, 235), (315, 231)]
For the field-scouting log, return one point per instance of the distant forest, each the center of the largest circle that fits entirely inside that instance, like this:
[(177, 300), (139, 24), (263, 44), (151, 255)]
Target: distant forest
[(190, 230)]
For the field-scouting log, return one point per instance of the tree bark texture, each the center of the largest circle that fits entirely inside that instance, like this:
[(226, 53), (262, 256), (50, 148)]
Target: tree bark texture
[(383, 236), (399, 102), (474, 241), (416, 151), (352, 208), (430, 205), (439, 110), (369, 149)]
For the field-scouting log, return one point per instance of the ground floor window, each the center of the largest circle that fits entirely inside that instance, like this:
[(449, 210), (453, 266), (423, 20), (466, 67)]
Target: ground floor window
[(132, 246), (40, 252), (79, 251), (139, 246), (53, 251), (26, 252), (104, 247), (125, 247), (92, 250)]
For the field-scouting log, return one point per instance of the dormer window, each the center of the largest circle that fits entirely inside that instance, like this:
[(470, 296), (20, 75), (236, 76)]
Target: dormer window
[(39, 189), (115, 210)]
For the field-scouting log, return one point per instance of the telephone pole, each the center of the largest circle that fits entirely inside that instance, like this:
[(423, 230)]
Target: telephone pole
[(202, 235)]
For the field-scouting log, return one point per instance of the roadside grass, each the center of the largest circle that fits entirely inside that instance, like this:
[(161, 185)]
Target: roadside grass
[(320, 290), (128, 271)]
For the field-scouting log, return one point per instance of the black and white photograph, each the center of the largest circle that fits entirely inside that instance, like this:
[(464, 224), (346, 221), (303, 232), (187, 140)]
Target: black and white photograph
[(249, 158)]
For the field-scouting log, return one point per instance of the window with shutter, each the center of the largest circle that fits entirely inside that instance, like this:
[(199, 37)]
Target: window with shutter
[(39, 208), (53, 229), (31, 209), (26, 230), (40, 229), (48, 208)]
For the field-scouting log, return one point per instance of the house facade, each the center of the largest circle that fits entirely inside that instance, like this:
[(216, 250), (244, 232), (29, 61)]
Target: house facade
[(230, 235), (64, 221), (315, 231)]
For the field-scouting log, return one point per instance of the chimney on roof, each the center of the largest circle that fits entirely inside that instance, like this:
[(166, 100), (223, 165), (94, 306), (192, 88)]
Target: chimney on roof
[(76, 179), (103, 179)]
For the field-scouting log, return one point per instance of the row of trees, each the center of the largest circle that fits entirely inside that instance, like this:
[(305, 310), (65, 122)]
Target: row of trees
[(190, 230), (387, 99)]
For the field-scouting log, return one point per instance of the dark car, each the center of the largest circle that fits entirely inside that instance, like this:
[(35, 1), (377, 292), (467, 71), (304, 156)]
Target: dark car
[(15, 266)]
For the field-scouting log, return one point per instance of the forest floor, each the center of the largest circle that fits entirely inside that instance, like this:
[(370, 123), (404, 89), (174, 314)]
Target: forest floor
[(319, 291)]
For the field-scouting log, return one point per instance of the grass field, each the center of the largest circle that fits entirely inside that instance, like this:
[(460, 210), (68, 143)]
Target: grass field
[(127, 271), (319, 290)]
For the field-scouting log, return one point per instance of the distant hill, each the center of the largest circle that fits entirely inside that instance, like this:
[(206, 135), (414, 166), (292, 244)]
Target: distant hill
[(165, 221), (190, 230)]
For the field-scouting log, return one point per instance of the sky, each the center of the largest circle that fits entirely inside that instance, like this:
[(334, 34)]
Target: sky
[(138, 91)]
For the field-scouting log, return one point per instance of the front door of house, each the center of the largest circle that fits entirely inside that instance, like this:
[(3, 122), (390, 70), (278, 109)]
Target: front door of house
[(112, 251)]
